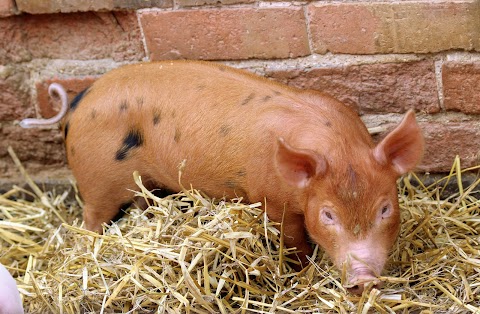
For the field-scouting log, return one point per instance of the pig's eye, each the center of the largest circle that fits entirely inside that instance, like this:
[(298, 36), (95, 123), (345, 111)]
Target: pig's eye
[(386, 211), (327, 216)]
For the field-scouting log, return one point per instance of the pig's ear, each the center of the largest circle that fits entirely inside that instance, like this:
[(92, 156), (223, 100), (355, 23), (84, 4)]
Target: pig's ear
[(298, 166), (403, 147)]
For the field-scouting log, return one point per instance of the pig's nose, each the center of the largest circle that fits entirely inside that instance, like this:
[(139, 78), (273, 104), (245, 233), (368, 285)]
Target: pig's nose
[(359, 285)]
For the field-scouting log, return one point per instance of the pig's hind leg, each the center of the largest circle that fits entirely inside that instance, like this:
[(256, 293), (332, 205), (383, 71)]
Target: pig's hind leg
[(103, 165), (109, 200), (105, 198), (97, 213)]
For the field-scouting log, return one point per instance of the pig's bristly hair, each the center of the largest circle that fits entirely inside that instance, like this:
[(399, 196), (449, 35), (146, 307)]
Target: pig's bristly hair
[(351, 187), (351, 193), (358, 190)]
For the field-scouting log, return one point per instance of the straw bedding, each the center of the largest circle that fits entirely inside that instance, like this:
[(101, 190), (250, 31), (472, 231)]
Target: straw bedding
[(189, 254)]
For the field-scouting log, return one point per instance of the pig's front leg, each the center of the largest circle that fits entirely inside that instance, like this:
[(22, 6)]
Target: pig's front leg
[(294, 235)]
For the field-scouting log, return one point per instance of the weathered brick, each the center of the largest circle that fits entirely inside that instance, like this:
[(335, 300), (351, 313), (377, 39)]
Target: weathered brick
[(40, 146), (382, 87), (15, 100), (461, 86), (39, 172), (404, 27), (7, 8), (446, 136), (64, 6), (46, 106), (57, 6), (81, 36), (445, 140), (240, 33), (191, 3), (138, 4), (343, 28)]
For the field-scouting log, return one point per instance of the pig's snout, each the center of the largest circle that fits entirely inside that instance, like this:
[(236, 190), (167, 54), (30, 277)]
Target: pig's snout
[(363, 262), (361, 279)]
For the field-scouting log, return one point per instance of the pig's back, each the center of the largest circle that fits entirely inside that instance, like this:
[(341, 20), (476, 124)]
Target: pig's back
[(185, 94), (151, 116)]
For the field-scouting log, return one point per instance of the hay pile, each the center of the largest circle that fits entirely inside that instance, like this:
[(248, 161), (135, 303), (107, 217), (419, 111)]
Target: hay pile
[(185, 254)]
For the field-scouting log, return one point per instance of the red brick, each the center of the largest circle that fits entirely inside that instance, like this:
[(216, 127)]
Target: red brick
[(48, 108), (7, 8), (81, 36), (33, 146), (445, 140), (446, 136), (15, 100), (344, 28), (43, 175), (461, 86), (138, 4), (56, 6), (225, 34), (405, 27), (191, 3), (384, 87)]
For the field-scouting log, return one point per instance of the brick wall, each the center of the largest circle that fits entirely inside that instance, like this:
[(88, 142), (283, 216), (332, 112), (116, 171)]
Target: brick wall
[(381, 58)]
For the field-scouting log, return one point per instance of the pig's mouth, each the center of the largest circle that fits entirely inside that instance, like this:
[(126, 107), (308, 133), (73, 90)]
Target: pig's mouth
[(363, 278), (360, 276), (366, 284)]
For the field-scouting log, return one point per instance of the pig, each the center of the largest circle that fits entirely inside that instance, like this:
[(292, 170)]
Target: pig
[(10, 302), (307, 154)]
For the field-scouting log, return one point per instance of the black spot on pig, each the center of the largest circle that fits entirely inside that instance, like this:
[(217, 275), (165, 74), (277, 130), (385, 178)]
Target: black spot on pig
[(242, 172), (200, 87), (276, 93), (140, 102), (177, 135), (65, 130), (248, 99), (123, 106), (78, 98), (157, 116), (133, 139), (328, 124), (231, 184), (224, 130), (235, 185), (72, 150), (93, 114), (266, 98), (174, 113)]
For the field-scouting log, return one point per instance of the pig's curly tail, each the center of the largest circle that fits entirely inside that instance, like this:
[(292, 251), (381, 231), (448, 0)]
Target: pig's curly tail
[(53, 89)]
